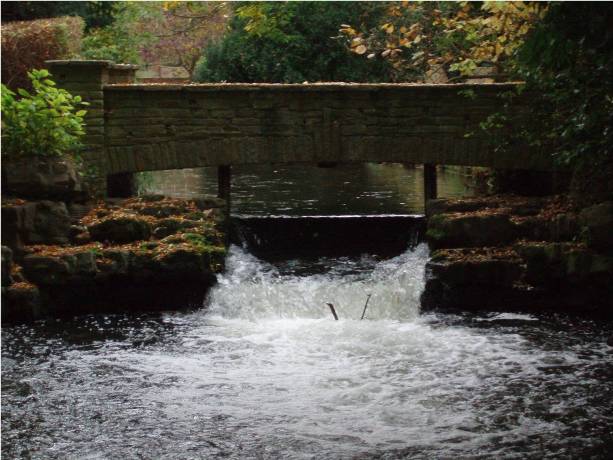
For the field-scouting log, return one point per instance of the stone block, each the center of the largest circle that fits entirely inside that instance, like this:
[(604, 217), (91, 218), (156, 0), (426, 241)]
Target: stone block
[(470, 230), (47, 270)]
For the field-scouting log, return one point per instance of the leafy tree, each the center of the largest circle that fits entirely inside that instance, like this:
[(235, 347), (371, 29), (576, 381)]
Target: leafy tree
[(180, 31), (117, 41), (172, 33), (48, 122), (290, 42), (421, 38)]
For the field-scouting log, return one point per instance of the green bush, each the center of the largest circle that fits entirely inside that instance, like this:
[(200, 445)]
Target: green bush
[(48, 122)]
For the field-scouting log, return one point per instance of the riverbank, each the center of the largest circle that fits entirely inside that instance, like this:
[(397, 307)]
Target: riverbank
[(146, 253), (519, 254)]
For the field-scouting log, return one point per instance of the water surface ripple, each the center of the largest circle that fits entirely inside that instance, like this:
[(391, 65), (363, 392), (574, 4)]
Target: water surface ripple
[(264, 372)]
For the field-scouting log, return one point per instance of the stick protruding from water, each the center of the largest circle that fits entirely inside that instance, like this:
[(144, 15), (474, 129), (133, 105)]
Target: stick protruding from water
[(365, 306), (332, 310)]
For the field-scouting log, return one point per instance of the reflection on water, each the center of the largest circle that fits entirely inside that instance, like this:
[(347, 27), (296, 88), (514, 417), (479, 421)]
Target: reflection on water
[(370, 188)]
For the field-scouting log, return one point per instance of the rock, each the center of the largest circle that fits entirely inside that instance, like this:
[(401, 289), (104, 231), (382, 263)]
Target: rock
[(597, 222), (41, 177), (457, 267), (21, 303), (77, 210), (470, 230), (184, 263), (554, 263), (85, 263), (51, 223), (47, 270), (36, 222), (563, 227), (75, 231), (7, 264), (170, 226), (162, 210), (120, 230), (444, 206), (119, 261), (533, 228), (152, 198), (209, 202), (472, 279)]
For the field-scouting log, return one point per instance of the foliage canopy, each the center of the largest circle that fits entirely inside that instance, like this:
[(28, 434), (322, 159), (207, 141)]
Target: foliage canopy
[(290, 42)]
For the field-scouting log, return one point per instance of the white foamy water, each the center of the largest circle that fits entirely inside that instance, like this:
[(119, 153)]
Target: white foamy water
[(265, 372)]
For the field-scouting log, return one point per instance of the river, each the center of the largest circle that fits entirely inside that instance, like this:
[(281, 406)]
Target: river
[(264, 371)]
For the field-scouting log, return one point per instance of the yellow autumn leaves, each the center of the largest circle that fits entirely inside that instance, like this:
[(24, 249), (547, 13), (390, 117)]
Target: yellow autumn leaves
[(460, 34)]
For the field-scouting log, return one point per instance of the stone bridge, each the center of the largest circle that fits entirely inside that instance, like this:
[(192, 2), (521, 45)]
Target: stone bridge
[(133, 127)]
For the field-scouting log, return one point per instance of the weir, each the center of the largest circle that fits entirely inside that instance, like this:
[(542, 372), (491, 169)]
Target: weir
[(280, 237)]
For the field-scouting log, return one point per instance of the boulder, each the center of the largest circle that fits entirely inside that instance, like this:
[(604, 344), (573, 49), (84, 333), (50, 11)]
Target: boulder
[(555, 263), (48, 270), (21, 302), (483, 266), (42, 177), (51, 223), (184, 262), (470, 230), (115, 261), (473, 279), (85, 263), (170, 226), (7, 264), (444, 206), (533, 228), (209, 202), (35, 222), (597, 222), (120, 230)]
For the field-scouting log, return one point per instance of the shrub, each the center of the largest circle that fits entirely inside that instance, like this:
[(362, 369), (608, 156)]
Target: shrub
[(28, 44), (47, 122)]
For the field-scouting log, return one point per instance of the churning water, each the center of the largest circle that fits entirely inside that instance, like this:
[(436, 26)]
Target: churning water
[(265, 372)]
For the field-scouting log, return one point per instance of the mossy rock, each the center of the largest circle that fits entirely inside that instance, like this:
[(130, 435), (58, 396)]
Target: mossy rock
[(597, 222), (20, 302), (120, 230), (470, 230), (48, 270)]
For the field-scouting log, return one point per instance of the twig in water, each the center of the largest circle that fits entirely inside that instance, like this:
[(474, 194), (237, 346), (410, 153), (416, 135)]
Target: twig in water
[(365, 305), (333, 310)]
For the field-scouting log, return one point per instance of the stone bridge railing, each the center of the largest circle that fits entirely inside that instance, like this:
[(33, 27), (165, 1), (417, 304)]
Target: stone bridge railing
[(134, 127)]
